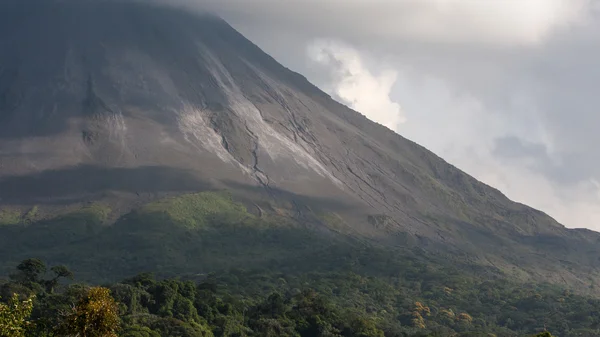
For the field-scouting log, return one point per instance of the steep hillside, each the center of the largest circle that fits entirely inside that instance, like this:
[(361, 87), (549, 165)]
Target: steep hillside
[(124, 104)]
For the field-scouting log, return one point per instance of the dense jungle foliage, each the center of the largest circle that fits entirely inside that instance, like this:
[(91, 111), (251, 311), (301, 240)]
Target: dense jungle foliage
[(48, 303), (222, 271)]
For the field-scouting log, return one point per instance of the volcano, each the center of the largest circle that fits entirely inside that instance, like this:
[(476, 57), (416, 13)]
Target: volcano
[(126, 102)]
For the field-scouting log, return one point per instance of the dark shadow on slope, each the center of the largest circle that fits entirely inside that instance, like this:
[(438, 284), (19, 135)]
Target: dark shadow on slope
[(70, 184), (154, 241), (141, 241), (300, 202)]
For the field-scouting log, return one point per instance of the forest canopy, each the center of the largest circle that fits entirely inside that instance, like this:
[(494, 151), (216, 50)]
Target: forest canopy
[(41, 301)]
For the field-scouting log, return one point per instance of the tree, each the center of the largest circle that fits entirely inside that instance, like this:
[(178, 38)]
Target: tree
[(544, 334), (94, 315), (420, 310), (59, 272), (29, 272), (14, 317), (139, 331), (364, 327)]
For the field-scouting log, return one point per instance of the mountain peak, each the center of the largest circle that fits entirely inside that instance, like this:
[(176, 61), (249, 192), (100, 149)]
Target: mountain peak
[(126, 101)]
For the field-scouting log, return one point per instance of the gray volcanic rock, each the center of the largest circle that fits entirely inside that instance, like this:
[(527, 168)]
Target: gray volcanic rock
[(100, 96), (126, 86)]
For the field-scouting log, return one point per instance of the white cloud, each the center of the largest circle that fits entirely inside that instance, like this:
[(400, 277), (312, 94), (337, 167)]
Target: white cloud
[(482, 21), (353, 84), (491, 21)]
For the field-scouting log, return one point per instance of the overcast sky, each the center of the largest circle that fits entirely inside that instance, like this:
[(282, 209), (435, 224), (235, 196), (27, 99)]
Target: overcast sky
[(507, 90)]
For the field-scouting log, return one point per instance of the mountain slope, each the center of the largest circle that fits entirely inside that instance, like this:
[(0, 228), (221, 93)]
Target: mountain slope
[(124, 103)]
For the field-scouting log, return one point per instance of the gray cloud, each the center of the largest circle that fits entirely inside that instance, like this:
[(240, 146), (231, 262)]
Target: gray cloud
[(443, 21), (515, 148), (504, 89)]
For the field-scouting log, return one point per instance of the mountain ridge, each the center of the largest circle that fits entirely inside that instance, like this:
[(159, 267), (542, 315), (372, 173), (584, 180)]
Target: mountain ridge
[(160, 102)]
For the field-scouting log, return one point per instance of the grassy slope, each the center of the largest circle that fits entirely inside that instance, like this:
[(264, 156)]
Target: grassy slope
[(191, 234)]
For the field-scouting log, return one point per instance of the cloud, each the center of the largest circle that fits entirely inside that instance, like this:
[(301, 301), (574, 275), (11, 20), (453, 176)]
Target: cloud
[(463, 21), (492, 21), (352, 83), (511, 155)]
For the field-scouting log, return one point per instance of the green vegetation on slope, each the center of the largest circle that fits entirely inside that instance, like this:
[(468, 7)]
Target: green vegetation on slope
[(190, 234), (9, 217), (199, 210), (209, 240)]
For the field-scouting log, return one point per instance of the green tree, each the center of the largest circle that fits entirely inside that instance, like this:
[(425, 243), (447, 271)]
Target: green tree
[(364, 327), (139, 331), (14, 316), (59, 272), (29, 273)]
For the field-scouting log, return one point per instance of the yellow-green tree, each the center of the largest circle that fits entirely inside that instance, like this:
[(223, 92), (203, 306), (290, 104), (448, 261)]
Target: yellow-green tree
[(14, 317), (544, 334), (419, 311), (96, 314), (464, 317)]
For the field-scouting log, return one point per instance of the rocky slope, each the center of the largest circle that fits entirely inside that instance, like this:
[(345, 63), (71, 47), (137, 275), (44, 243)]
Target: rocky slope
[(125, 102)]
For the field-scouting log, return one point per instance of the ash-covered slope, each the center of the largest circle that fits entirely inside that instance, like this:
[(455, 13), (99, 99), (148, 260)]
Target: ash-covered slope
[(102, 99), (112, 85)]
